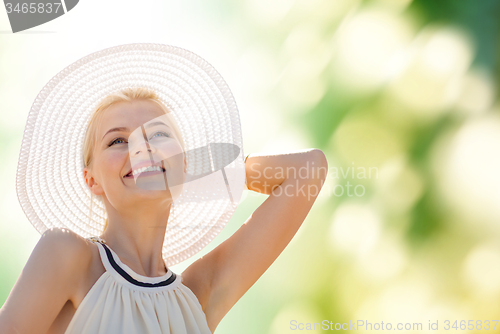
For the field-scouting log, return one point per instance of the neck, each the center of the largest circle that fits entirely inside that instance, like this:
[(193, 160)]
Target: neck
[(137, 238)]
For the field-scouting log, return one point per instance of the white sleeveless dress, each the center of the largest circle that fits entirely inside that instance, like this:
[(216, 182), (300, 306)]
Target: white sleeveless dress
[(122, 301)]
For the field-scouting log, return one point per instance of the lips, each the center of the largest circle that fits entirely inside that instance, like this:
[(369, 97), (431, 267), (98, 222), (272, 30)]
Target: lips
[(141, 165)]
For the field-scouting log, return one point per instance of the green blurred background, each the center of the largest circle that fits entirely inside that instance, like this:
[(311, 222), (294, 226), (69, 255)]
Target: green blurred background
[(401, 96)]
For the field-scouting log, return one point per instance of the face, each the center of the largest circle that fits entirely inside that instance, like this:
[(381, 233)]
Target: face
[(134, 136)]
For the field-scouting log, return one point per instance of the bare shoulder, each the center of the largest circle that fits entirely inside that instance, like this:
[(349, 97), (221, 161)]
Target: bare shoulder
[(57, 239), (62, 246), (51, 277), (74, 255)]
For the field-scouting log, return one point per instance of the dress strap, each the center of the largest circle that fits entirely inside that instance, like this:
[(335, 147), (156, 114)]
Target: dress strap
[(104, 258), (113, 263), (96, 239)]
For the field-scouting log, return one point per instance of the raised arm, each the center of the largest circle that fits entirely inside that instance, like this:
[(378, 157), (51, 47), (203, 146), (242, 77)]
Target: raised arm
[(293, 182), (49, 279)]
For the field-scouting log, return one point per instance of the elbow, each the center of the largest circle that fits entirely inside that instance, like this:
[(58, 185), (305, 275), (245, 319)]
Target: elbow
[(317, 167), (320, 162)]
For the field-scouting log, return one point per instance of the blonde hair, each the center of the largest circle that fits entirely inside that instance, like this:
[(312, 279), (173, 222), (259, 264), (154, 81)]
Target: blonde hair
[(125, 95)]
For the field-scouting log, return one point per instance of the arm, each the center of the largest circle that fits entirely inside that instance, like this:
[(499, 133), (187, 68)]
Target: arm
[(235, 265), (50, 278)]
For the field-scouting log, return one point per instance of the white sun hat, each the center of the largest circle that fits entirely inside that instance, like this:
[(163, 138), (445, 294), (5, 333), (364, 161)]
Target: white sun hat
[(50, 184)]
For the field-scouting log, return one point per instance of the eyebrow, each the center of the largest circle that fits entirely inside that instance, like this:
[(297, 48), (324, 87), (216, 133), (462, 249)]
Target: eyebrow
[(150, 125), (115, 130)]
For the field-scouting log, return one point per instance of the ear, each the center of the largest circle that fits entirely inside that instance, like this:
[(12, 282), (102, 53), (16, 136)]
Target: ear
[(94, 187)]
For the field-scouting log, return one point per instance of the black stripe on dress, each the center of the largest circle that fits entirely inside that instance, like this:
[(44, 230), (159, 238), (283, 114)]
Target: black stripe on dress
[(129, 278)]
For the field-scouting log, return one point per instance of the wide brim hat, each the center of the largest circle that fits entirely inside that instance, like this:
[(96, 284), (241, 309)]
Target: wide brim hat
[(50, 183)]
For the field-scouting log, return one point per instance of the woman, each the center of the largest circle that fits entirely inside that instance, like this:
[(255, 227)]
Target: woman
[(118, 281)]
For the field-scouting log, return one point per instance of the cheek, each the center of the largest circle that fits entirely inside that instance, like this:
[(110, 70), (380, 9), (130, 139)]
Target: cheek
[(169, 148), (171, 153), (113, 161)]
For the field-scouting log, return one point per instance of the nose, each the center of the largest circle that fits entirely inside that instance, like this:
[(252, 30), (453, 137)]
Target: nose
[(145, 147), (149, 150)]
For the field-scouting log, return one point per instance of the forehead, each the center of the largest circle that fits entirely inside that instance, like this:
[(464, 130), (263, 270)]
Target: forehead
[(130, 115)]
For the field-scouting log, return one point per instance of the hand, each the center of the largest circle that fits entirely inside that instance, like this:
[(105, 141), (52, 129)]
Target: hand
[(245, 161)]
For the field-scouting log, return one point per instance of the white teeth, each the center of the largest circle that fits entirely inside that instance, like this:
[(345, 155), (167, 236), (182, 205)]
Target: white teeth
[(147, 169)]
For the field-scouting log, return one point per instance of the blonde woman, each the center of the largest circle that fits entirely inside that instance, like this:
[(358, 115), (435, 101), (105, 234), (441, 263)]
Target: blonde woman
[(140, 169)]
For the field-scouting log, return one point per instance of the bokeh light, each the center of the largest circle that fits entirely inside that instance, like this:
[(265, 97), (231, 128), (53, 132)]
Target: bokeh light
[(355, 228), (467, 168), (366, 44)]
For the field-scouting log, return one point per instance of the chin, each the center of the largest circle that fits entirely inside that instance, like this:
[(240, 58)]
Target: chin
[(159, 193), (157, 186)]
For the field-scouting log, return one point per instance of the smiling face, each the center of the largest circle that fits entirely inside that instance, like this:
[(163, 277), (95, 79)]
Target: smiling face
[(137, 155)]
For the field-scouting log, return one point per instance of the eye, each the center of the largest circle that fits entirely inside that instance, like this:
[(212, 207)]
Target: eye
[(114, 141), (160, 133)]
